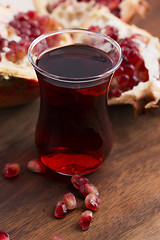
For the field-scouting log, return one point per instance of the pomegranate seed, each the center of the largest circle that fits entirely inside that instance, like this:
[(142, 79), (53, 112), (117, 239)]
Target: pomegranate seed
[(119, 71), (115, 92), (70, 201), (20, 52), (31, 14), (4, 236), (85, 219), (61, 210), (11, 56), (35, 32), (3, 43), (11, 170), (78, 180), (88, 188), (123, 80), (111, 32), (15, 23), (25, 24), (94, 28), (26, 31), (21, 17), (0, 58), (57, 238), (133, 81), (92, 202), (36, 166), (12, 44), (33, 23), (129, 69)]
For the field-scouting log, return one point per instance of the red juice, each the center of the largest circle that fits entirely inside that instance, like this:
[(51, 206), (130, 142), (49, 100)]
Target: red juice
[(73, 133)]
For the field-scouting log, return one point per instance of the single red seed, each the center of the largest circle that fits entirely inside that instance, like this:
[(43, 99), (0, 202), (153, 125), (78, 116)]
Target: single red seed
[(123, 80), (88, 188), (3, 43), (36, 166), (92, 202), (78, 180), (0, 58), (94, 28), (31, 14), (60, 210), (85, 219), (4, 236), (57, 238), (12, 44), (70, 201), (11, 56), (20, 52), (115, 92), (11, 170)]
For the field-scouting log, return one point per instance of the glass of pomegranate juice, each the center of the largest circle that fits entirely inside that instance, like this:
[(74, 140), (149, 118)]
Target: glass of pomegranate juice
[(74, 69)]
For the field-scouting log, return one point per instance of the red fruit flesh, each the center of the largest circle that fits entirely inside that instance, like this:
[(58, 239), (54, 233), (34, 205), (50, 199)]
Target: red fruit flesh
[(11, 170), (88, 188), (70, 201), (92, 202), (4, 236), (85, 219), (61, 210), (36, 166), (78, 180)]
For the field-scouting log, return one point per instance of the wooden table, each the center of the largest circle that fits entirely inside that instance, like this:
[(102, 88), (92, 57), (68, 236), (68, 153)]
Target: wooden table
[(129, 181)]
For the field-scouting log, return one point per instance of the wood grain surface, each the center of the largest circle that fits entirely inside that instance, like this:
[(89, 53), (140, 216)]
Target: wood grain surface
[(129, 181)]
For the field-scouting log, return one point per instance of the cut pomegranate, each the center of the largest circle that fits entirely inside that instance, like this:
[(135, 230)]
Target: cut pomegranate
[(78, 180), (11, 170), (4, 236), (57, 238), (36, 166), (61, 210), (70, 201), (85, 219), (92, 202), (88, 188)]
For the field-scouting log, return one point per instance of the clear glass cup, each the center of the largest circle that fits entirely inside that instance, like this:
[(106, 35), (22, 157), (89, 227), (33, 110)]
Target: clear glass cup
[(73, 133)]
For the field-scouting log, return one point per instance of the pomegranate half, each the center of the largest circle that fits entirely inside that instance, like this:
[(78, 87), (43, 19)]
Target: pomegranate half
[(18, 81)]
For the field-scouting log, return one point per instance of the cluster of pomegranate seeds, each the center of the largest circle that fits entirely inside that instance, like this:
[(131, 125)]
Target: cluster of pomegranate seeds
[(132, 70), (85, 219), (11, 170), (60, 210), (4, 236), (36, 166), (28, 26)]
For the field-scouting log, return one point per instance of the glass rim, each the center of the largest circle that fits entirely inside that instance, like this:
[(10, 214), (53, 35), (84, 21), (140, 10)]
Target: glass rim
[(69, 79)]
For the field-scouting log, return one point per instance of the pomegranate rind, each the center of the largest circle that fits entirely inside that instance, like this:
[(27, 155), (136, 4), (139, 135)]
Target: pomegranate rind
[(71, 13), (146, 94)]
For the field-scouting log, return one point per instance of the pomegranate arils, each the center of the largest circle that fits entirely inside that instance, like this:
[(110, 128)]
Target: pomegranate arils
[(36, 166), (88, 188), (123, 80), (57, 238), (85, 219), (61, 210), (70, 201), (78, 180), (92, 202), (11, 170), (111, 32), (4, 236)]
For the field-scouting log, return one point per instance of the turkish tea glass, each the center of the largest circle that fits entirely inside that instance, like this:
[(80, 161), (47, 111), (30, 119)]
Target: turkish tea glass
[(73, 132)]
